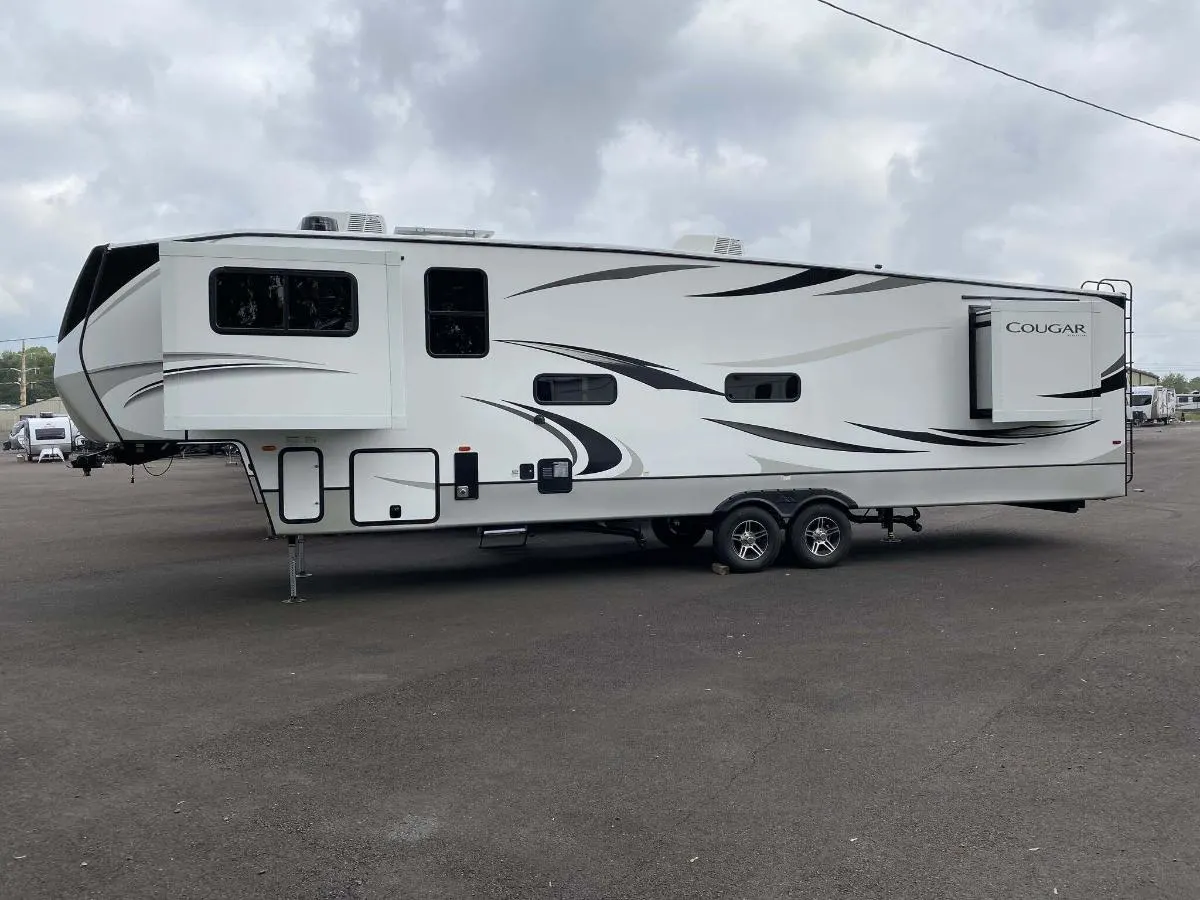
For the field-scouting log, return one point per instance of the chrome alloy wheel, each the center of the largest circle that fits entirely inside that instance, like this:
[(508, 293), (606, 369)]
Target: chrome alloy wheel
[(822, 536), (750, 540)]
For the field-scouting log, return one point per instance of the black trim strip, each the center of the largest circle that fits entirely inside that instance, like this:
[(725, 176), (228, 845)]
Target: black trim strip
[(1114, 382), (925, 438), (808, 278), (612, 275), (804, 440), (215, 236), (648, 373)]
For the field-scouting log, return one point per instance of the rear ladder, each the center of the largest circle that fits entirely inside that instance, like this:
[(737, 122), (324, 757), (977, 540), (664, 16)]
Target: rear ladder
[(1110, 284)]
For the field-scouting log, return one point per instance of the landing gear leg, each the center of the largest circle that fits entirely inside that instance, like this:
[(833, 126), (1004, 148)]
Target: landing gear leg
[(889, 524), (301, 572), (292, 595)]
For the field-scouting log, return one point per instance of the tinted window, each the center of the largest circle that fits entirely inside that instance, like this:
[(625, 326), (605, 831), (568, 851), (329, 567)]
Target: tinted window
[(121, 266), (456, 312), (268, 301), (49, 434), (762, 387), (575, 389), (82, 293)]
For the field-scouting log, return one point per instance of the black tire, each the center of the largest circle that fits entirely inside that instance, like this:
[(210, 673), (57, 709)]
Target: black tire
[(679, 533), (748, 539), (820, 536)]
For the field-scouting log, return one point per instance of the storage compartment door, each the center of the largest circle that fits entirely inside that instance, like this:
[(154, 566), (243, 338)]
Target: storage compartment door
[(301, 485), (1043, 361), (393, 487)]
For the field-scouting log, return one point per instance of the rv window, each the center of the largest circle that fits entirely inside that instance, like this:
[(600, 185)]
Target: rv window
[(266, 301), (764, 387), (551, 390), (456, 312)]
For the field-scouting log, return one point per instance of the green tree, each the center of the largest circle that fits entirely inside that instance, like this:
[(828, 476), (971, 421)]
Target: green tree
[(1194, 384), (39, 374), (1176, 382)]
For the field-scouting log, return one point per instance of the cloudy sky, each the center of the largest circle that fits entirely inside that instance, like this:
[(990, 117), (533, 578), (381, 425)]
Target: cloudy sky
[(807, 133)]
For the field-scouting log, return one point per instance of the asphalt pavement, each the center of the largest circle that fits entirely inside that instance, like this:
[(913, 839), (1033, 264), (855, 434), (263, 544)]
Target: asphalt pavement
[(1005, 705)]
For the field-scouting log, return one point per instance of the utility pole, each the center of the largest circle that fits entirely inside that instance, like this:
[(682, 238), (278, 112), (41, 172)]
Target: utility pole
[(24, 377)]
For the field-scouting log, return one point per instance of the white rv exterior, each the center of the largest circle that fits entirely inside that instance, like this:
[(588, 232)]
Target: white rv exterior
[(425, 380)]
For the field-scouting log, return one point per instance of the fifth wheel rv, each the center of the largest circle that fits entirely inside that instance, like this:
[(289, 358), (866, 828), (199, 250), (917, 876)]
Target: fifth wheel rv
[(440, 379)]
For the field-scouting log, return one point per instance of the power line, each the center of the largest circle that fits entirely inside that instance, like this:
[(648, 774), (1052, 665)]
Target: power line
[(38, 337), (982, 65)]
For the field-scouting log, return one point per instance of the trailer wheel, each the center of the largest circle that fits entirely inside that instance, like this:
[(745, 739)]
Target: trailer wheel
[(679, 533), (748, 539), (820, 536)]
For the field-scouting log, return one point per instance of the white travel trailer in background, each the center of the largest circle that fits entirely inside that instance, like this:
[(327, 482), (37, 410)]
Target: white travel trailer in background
[(1188, 403), (1152, 404), (47, 431), (438, 379)]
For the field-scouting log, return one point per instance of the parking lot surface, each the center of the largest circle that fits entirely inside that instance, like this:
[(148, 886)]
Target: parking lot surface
[(1004, 705)]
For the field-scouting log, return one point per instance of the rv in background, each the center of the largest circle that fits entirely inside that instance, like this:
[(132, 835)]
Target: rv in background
[(34, 434), (1188, 403), (1152, 404)]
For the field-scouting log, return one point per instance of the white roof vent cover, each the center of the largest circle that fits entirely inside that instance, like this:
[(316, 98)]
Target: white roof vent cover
[(710, 243)]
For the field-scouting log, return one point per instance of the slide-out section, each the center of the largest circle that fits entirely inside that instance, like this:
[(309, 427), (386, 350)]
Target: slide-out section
[(258, 337), (1037, 361), (393, 487)]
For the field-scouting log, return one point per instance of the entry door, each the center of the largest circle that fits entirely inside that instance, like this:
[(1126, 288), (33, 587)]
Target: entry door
[(393, 487), (301, 480)]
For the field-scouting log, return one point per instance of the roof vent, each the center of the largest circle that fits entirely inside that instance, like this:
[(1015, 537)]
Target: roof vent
[(363, 223), (710, 243)]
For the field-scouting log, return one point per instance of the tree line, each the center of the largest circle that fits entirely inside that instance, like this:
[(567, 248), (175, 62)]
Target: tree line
[(39, 375), (1181, 384)]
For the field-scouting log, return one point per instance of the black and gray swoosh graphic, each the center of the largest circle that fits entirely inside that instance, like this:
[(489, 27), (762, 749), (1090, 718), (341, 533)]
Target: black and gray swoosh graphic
[(566, 441), (648, 373), (602, 454), (143, 391), (1112, 382), (887, 283), (215, 367), (930, 438), (1023, 432), (807, 278), (612, 275), (804, 440)]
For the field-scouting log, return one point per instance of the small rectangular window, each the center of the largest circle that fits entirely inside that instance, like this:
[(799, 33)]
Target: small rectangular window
[(565, 390), (456, 312), (762, 387), (269, 301)]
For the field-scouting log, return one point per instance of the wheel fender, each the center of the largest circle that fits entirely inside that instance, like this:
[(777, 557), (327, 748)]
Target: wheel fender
[(783, 504)]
